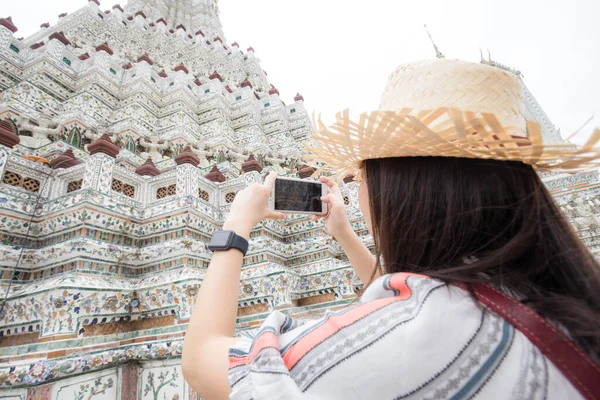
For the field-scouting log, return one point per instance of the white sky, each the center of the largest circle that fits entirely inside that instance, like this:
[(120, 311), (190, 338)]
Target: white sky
[(339, 53)]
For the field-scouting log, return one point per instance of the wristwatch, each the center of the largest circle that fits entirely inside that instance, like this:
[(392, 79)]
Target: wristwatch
[(225, 240)]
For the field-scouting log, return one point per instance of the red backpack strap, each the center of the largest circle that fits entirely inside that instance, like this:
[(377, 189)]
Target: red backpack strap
[(575, 365)]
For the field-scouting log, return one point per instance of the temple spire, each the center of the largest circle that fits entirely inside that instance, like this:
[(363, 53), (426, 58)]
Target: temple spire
[(438, 53), (191, 15)]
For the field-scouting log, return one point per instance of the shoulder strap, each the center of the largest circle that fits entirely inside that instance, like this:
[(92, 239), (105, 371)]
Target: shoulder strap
[(575, 365)]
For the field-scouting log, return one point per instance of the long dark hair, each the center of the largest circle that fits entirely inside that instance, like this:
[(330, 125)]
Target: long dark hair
[(488, 221)]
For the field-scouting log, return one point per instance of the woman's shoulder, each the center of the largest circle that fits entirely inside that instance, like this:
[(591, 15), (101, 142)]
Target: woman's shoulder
[(432, 335), (401, 298), (397, 318), (403, 284), (405, 291)]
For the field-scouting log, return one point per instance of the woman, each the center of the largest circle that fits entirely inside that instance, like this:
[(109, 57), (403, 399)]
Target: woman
[(449, 192)]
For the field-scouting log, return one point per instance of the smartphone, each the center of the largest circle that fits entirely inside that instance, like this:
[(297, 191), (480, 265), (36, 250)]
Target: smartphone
[(298, 196)]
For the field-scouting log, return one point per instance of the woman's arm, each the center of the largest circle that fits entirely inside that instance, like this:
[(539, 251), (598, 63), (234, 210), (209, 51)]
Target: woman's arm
[(361, 259), (210, 331), (337, 224)]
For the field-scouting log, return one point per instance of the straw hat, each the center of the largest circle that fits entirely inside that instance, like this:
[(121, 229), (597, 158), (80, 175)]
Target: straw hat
[(447, 108)]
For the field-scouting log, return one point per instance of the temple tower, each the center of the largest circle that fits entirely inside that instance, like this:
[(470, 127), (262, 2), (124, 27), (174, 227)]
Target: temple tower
[(125, 134)]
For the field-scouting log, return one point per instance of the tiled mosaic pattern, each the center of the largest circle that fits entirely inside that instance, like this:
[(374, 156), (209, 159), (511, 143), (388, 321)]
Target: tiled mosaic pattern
[(101, 265)]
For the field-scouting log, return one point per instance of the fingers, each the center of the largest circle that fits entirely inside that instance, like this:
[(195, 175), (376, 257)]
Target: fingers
[(270, 180), (275, 215), (329, 182), (315, 218), (334, 199)]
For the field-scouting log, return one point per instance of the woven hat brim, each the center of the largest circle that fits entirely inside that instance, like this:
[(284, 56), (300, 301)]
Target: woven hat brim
[(448, 132)]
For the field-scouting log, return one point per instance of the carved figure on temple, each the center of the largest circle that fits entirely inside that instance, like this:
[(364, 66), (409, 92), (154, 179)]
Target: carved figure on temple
[(200, 150), (82, 44), (237, 159), (40, 133), (275, 160), (154, 145)]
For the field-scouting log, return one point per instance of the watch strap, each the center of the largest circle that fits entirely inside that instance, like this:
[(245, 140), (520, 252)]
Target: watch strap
[(239, 243)]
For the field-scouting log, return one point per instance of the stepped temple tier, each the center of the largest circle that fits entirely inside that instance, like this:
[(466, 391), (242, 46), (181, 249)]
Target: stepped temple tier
[(125, 133)]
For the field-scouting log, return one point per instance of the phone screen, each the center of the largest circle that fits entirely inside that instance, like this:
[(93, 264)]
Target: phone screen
[(298, 196)]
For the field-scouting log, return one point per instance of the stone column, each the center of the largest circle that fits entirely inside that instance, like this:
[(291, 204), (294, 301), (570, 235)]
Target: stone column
[(4, 155), (98, 173), (187, 173), (53, 186), (7, 29), (56, 45), (143, 68), (102, 56), (8, 139), (181, 75), (130, 381), (43, 392), (139, 18), (100, 164), (117, 12)]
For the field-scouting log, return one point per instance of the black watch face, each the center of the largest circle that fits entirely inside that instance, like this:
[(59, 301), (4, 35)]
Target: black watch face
[(221, 240)]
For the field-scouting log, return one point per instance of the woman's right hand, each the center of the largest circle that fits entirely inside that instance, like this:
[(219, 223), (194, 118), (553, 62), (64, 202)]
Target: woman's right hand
[(336, 219)]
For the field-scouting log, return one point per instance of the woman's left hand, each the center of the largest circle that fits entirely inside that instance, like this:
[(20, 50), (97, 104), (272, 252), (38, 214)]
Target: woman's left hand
[(251, 206)]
